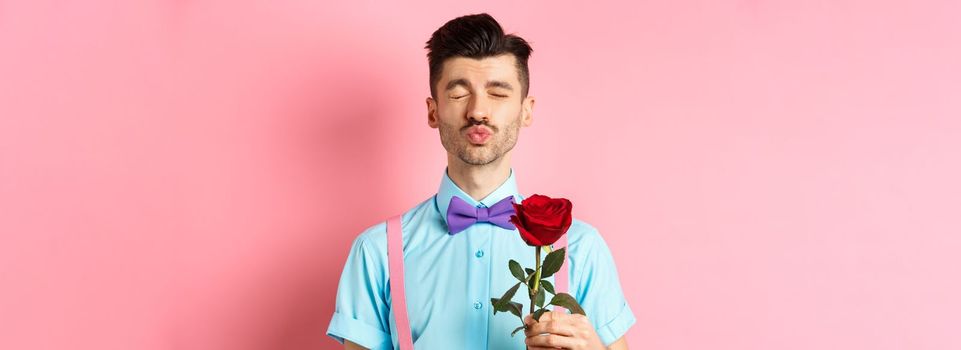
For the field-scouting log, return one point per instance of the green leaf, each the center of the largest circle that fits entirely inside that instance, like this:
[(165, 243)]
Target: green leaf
[(538, 313), (517, 309), (567, 301), (529, 271), (548, 286), (517, 329), (539, 297), (552, 263), (502, 303), (496, 307), (516, 270)]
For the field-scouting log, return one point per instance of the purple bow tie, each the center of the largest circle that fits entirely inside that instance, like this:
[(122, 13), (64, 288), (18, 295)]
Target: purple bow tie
[(460, 214)]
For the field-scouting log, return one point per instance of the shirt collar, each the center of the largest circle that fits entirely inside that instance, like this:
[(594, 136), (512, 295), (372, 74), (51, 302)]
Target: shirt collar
[(449, 189)]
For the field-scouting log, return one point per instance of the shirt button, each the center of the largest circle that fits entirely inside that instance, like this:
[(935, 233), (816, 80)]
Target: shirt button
[(478, 305), (479, 254)]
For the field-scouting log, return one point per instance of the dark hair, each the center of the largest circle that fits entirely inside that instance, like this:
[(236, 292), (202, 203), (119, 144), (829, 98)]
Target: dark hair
[(475, 36)]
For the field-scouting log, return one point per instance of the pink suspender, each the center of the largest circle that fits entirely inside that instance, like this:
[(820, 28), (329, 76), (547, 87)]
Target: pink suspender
[(398, 299), (395, 262)]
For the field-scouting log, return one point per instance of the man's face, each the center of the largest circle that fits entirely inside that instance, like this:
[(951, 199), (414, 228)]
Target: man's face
[(479, 108)]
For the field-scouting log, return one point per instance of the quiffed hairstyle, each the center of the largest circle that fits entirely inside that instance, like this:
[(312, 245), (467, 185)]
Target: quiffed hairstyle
[(475, 36)]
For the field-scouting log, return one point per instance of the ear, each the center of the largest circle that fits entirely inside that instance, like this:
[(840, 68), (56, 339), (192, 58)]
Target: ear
[(527, 112), (432, 113)]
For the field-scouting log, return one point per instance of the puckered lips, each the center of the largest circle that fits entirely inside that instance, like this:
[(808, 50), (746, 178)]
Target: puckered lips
[(479, 134)]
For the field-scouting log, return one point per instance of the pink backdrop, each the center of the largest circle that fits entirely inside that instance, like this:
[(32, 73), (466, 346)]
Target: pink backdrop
[(768, 174)]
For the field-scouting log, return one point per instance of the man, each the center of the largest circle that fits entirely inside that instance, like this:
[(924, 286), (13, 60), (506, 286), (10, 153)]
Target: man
[(479, 83)]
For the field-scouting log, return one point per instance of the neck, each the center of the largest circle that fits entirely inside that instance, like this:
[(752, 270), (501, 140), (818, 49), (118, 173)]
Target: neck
[(478, 181)]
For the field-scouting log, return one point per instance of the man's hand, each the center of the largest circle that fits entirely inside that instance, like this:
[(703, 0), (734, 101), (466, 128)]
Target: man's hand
[(561, 331)]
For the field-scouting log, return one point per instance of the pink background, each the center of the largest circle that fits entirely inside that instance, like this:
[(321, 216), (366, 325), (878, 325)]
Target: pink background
[(768, 174)]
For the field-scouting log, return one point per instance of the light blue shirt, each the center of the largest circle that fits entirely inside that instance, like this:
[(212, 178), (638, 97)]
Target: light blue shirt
[(450, 280)]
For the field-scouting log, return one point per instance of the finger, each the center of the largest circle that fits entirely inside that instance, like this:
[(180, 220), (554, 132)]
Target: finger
[(550, 315), (550, 341), (546, 316), (577, 319), (552, 327), (574, 319), (529, 319)]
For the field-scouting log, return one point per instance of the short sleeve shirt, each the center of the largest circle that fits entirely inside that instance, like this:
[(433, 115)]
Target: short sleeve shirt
[(450, 280)]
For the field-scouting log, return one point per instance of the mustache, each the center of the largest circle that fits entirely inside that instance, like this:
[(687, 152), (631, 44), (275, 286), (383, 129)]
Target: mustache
[(474, 122)]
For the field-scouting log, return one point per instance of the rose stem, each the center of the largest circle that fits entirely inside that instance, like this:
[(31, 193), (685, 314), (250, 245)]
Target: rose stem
[(537, 275)]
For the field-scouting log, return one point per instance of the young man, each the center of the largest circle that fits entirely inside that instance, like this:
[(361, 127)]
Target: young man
[(479, 84)]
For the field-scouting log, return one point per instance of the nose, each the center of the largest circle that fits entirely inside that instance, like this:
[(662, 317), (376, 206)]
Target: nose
[(478, 109)]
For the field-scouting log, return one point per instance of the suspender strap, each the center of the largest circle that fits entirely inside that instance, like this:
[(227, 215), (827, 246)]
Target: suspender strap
[(395, 260), (561, 278)]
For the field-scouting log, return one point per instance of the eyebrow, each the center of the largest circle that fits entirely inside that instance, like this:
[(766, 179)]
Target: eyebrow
[(493, 83)]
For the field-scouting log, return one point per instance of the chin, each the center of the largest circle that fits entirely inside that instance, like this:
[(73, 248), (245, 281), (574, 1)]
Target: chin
[(483, 159)]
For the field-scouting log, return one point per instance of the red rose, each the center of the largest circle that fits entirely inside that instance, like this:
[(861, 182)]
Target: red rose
[(542, 220)]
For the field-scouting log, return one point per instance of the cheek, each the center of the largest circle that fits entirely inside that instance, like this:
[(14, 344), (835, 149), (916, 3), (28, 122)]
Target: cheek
[(507, 111), (447, 111)]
